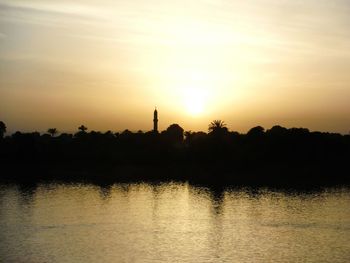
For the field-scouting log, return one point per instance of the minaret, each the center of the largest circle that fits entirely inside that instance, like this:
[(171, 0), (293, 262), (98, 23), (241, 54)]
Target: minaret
[(155, 120)]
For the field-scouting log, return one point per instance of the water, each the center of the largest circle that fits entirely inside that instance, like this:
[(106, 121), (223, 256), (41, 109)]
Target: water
[(171, 222)]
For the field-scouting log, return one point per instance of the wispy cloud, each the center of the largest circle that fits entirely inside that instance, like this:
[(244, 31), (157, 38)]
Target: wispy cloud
[(48, 14)]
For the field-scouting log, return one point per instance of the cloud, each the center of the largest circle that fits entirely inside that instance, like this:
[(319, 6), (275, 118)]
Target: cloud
[(48, 14)]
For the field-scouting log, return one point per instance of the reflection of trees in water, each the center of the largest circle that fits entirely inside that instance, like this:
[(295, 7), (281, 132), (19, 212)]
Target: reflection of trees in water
[(27, 192), (216, 231), (170, 190), (254, 193), (217, 196), (105, 190)]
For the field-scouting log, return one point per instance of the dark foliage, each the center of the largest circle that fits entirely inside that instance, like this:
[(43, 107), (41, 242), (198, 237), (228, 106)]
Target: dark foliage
[(2, 129), (277, 155)]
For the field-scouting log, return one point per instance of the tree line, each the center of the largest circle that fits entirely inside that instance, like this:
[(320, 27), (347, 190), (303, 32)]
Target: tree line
[(273, 152)]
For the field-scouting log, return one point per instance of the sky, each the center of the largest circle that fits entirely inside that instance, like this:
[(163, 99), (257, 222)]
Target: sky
[(107, 63)]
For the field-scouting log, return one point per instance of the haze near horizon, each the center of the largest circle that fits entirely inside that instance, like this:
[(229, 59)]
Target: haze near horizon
[(106, 64)]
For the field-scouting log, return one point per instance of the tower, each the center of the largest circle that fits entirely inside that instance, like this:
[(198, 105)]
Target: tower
[(155, 120)]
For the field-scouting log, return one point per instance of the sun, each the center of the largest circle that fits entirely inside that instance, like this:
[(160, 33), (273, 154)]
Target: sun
[(194, 106), (192, 90), (195, 101)]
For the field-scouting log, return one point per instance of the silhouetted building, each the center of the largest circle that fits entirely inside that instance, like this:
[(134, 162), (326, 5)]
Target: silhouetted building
[(155, 120)]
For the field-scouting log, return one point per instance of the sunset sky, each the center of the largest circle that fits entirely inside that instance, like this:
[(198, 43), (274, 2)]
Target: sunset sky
[(107, 63)]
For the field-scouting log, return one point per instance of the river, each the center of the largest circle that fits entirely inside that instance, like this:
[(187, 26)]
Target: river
[(172, 222)]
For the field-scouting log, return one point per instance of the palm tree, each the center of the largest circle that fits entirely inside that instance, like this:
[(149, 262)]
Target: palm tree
[(2, 129), (52, 131), (83, 129), (217, 126)]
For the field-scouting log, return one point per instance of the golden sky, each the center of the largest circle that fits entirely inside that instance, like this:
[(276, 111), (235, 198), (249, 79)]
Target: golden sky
[(107, 63)]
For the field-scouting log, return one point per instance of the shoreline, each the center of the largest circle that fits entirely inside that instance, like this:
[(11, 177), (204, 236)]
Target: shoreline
[(272, 174)]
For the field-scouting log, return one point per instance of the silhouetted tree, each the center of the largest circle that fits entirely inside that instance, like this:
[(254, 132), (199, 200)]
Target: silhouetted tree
[(188, 136), (193, 137), (83, 129), (2, 129), (256, 131), (52, 131), (217, 126), (218, 131), (126, 133), (196, 143), (174, 133), (109, 134), (65, 136), (277, 131)]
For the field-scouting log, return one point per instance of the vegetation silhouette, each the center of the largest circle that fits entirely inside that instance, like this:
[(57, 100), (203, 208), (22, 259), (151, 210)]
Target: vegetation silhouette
[(83, 129), (279, 155), (2, 129), (52, 131), (217, 127)]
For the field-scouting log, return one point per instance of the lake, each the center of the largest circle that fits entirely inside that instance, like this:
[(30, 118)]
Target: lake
[(172, 222)]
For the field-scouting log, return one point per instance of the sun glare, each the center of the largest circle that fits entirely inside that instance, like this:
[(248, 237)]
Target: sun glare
[(192, 90), (195, 101)]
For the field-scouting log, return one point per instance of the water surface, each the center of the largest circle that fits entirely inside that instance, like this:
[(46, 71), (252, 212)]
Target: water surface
[(171, 222)]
